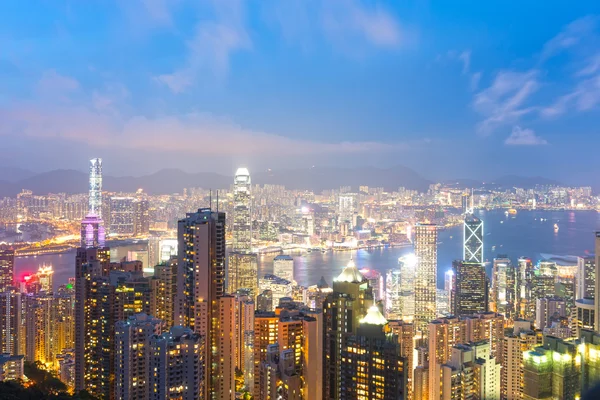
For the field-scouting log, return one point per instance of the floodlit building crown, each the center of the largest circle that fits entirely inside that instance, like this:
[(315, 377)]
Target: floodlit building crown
[(350, 274), (374, 317)]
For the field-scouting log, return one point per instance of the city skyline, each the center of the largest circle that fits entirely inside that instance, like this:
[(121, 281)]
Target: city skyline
[(301, 84)]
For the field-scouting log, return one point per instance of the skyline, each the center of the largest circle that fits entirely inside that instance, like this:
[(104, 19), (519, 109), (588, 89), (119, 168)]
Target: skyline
[(301, 84)]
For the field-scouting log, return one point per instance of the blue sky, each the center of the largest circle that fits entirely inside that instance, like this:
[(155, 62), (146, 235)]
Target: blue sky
[(474, 89)]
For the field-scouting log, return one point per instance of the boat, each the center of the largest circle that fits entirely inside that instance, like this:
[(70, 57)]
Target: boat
[(493, 248), (512, 211), (555, 227)]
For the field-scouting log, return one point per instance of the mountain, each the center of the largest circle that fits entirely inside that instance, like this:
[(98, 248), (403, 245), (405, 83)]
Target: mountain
[(174, 180), (524, 182), (14, 174)]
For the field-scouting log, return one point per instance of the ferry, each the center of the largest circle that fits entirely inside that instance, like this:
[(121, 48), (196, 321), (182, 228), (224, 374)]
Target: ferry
[(555, 227), (512, 211)]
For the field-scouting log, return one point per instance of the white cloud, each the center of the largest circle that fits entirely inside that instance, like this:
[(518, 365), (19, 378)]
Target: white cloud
[(503, 102), (571, 36), (524, 137), (53, 83)]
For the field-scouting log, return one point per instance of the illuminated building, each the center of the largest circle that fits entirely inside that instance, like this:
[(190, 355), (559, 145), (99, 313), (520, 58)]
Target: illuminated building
[(526, 303), (586, 277), (200, 285), (226, 342), (585, 315), (167, 250), (444, 334), (40, 329), (425, 277), (514, 344), (242, 215), (178, 359), (165, 287), (66, 369), (12, 339), (375, 282), (92, 232), (244, 336), (264, 301), (242, 272), (470, 288), (473, 240), (549, 310), (405, 333), (449, 287), (44, 278), (371, 365), (11, 367), (342, 311), (471, 373), (283, 267), (393, 294), (141, 219), (442, 303), (122, 215), (346, 206), (95, 196), (552, 371), (504, 293), (279, 288), (314, 296), (588, 349), (487, 326), (64, 318), (278, 377), (133, 356), (266, 326), (7, 266)]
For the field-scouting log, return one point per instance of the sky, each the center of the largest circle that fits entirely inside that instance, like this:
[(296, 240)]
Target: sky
[(452, 89)]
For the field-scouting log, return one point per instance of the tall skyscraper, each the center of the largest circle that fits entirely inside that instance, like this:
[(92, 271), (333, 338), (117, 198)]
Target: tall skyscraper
[(7, 267), (12, 340), (122, 215), (586, 277), (242, 266), (504, 290), (200, 287), (141, 222), (95, 196), (425, 279), (473, 239), (470, 291)]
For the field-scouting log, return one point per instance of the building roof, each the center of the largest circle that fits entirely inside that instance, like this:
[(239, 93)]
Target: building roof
[(374, 317), (350, 274)]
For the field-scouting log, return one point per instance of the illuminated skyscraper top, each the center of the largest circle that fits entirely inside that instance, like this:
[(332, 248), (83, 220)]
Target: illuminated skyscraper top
[(473, 239), (95, 200), (242, 223)]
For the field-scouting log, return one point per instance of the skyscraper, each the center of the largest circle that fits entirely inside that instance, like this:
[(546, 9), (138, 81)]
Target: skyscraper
[(425, 279), (504, 291), (283, 267), (200, 285), (95, 199), (12, 341), (470, 291), (473, 239), (7, 265), (242, 266), (586, 277)]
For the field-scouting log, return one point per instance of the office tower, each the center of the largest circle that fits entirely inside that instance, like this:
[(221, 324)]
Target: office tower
[(264, 301), (526, 304), (444, 334), (93, 234), (346, 208), (242, 270), (244, 336), (44, 278), (283, 267), (279, 288), (585, 315), (11, 367), (141, 221), (521, 339), (449, 282), (350, 300), (487, 326), (12, 340), (242, 212), (504, 295), (122, 215), (393, 294), (133, 356), (549, 310), (95, 196), (407, 269), (425, 277), (200, 284), (471, 373), (178, 359), (552, 371), (165, 277), (470, 289), (7, 268), (473, 239), (371, 365), (405, 333), (586, 277), (375, 282)]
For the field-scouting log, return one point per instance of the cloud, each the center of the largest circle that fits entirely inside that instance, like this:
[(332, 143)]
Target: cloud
[(503, 102), (571, 36), (158, 10), (524, 137), (212, 46), (585, 96), (53, 83)]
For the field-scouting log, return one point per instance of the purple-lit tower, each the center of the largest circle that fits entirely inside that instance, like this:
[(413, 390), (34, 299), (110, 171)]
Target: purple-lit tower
[(92, 226), (95, 199)]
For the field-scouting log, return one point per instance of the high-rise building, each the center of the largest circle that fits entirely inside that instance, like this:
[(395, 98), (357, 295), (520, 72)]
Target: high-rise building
[(279, 288), (44, 277), (521, 339), (95, 196), (504, 294), (444, 334), (371, 364), (278, 377), (11, 367), (122, 215), (346, 208), (7, 268), (586, 277), (165, 284), (425, 277), (375, 282), (141, 221), (526, 304), (393, 295), (244, 336), (405, 333), (242, 270), (351, 299), (283, 267), (40, 329), (242, 212), (549, 310), (133, 356), (93, 234), (487, 326), (12, 339), (470, 291), (473, 239), (177, 365), (200, 285)]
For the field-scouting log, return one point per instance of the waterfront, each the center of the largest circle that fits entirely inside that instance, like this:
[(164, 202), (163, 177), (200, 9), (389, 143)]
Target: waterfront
[(529, 233)]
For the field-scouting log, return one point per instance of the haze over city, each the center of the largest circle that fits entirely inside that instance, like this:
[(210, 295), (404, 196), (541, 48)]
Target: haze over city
[(207, 86)]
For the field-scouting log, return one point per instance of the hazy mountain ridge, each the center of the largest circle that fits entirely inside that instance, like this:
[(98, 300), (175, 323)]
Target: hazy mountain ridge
[(317, 179)]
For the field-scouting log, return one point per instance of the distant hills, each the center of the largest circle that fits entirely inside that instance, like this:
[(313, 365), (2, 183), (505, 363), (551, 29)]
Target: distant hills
[(12, 180)]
